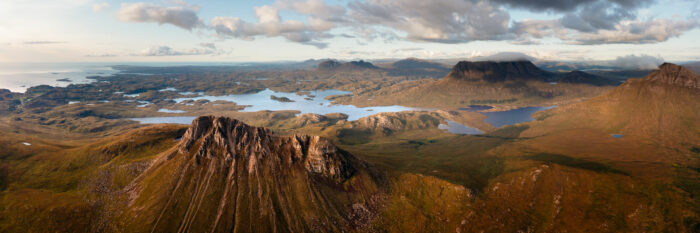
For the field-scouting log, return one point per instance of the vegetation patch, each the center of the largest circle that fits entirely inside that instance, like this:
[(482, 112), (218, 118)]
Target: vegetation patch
[(493, 101), (573, 162)]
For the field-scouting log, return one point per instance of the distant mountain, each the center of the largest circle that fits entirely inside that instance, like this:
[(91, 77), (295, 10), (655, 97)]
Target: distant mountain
[(333, 65), (413, 67), (693, 66), (512, 83), (583, 77), (498, 71), (226, 176), (415, 63)]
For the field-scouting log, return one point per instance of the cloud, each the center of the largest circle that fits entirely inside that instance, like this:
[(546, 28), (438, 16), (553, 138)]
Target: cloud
[(640, 62), (569, 5), (505, 56), (41, 42), (583, 22), (161, 50), (101, 55), (625, 32), (445, 21), (208, 45), (101, 7), (270, 24), (180, 16)]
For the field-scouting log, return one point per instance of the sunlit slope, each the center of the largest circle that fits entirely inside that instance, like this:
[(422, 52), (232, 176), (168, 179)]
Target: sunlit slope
[(662, 108), (226, 176)]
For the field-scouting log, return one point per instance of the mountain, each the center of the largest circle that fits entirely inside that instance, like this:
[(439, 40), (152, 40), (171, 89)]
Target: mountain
[(491, 71), (226, 176), (672, 74), (662, 106), (586, 78), (693, 66), (513, 83), (415, 63), (413, 67), (333, 65)]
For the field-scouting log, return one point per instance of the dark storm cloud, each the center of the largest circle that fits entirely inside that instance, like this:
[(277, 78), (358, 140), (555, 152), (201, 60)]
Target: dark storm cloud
[(569, 5)]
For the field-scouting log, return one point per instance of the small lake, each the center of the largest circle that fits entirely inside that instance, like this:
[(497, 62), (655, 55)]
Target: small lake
[(514, 116), (457, 128), (476, 108), (617, 135), (314, 102)]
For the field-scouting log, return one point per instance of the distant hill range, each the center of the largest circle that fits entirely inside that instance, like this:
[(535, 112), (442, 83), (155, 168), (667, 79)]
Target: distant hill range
[(513, 83), (493, 72), (333, 65), (694, 66)]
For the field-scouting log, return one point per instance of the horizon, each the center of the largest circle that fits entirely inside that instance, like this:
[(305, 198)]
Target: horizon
[(287, 30)]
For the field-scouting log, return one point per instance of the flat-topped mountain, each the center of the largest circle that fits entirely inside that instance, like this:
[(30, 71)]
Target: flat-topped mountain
[(227, 176), (333, 65), (491, 71)]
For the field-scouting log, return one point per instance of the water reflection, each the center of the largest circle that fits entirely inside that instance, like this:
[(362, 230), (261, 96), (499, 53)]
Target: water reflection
[(313, 102), (514, 116), (457, 128)]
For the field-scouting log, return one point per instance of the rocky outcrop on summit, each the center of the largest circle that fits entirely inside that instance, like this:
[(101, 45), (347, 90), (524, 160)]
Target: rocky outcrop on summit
[(333, 65), (674, 75), (390, 122), (234, 140), (498, 71), (227, 176)]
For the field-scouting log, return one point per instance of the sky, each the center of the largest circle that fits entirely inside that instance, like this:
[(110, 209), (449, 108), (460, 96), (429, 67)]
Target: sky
[(295, 30)]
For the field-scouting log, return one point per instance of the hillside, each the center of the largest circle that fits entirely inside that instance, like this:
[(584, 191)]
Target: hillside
[(661, 106), (247, 179), (518, 83)]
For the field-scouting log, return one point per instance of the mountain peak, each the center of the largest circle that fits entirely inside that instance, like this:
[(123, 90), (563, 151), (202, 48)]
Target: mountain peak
[(333, 65), (492, 71), (232, 140), (673, 74)]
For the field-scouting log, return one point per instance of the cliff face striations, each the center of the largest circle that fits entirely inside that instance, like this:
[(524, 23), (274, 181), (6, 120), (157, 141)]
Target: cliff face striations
[(228, 176)]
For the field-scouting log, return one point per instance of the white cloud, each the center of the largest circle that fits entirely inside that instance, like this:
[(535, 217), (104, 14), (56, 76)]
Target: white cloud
[(101, 7), (161, 50), (637, 62), (270, 24), (180, 16)]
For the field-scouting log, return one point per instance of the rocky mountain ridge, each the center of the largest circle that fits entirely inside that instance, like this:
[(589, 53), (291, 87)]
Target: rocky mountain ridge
[(675, 75)]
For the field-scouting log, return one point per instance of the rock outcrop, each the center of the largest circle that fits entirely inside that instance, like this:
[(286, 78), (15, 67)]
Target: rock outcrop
[(389, 122), (227, 176), (234, 141), (673, 74)]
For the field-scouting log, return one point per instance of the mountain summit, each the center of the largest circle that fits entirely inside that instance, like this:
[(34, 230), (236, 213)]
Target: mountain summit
[(225, 175), (498, 71), (333, 65), (674, 75)]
